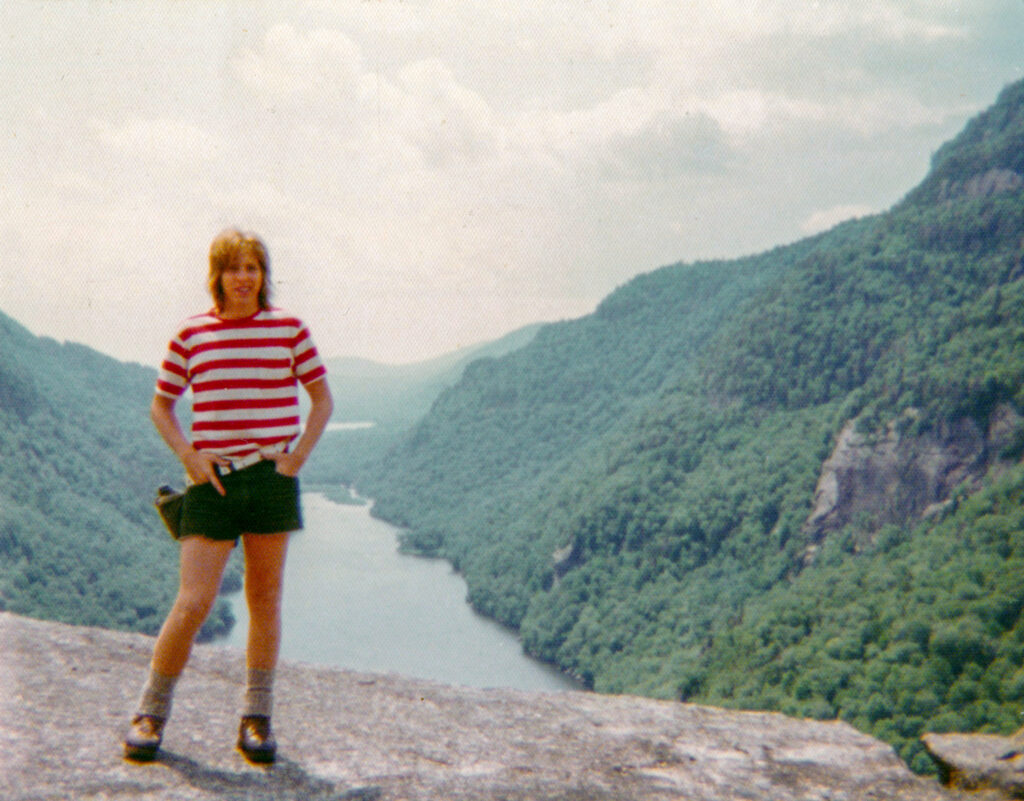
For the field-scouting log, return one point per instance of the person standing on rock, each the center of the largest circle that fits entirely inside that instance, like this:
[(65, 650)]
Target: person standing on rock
[(244, 360)]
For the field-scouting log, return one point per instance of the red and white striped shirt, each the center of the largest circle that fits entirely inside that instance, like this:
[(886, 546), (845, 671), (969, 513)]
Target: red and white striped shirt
[(244, 376)]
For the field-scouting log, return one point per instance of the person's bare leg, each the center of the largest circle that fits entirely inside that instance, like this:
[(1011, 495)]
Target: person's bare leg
[(264, 579), (202, 566), (264, 582)]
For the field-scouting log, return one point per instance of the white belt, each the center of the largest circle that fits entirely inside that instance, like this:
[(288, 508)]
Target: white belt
[(251, 458)]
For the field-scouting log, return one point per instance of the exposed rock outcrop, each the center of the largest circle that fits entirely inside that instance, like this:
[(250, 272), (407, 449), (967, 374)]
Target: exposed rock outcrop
[(66, 694), (990, 182), (893, 478), (980, 762)]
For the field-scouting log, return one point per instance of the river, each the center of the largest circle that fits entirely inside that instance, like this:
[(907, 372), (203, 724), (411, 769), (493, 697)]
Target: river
[(353, 601)]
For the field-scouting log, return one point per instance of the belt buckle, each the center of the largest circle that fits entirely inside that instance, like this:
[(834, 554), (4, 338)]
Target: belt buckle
[(234, 465), (250, 459)]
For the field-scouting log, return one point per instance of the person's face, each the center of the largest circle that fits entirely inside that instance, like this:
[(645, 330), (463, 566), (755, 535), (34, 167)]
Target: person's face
[(241, 282)]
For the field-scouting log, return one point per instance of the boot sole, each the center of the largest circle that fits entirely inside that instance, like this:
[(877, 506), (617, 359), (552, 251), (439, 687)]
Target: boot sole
[(258, 757), (140, 753)]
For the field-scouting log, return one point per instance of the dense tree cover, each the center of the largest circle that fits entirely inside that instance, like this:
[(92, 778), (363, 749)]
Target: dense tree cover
[(888, 314), (630, 490), (577, 381), (79, 539), (922, 631)]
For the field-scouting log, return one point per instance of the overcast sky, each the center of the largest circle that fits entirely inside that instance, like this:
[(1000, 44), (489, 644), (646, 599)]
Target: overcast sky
[(429, 175)]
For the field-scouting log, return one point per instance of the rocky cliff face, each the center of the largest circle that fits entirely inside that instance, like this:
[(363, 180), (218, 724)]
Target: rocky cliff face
[(66, 694), (990, 182), (875, 479)]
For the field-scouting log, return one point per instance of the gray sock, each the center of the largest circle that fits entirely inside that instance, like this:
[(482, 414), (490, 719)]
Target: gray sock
[(259, 692), (157, 695)]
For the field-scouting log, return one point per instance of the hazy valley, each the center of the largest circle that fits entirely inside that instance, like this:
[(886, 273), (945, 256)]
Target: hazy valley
[(788, 482)]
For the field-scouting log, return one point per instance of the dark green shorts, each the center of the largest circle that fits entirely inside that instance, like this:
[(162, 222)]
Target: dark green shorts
[(259, 500)]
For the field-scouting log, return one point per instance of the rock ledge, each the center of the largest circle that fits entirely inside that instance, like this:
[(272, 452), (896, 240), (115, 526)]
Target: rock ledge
[(66, 694), (980, 762)]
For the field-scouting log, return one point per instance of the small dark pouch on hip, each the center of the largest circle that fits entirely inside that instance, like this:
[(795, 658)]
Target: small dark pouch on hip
[(168, 503)]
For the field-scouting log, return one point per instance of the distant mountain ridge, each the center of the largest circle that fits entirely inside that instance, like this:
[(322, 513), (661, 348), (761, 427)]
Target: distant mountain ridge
[(636, 491), (399, 394)]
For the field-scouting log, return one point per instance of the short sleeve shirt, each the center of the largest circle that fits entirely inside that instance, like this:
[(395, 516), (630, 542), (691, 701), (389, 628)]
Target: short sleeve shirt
[(244, 376)]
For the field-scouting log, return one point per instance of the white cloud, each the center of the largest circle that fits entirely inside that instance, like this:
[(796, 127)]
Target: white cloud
[(757, 113), (443, 118), (829, 19), (667, 147), (920, 24), (506, 161)]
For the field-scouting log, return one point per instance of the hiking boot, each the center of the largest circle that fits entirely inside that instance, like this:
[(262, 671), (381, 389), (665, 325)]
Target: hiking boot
[(144, 738), (256, 740)]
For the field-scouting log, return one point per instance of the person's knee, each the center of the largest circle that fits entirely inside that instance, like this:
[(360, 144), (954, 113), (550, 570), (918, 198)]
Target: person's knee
[(192, 608), (264, 601)]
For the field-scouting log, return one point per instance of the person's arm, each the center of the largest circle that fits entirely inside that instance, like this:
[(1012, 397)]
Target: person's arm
[(290, 463), (198, 465)]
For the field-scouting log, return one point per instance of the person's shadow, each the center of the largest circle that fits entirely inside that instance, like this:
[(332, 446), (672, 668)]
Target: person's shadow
[(282, 781)]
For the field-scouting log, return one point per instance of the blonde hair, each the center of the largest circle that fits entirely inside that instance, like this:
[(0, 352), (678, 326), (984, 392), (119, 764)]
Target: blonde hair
[(224, 250)]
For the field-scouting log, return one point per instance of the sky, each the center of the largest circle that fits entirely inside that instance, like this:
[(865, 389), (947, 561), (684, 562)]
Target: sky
[(431, 175)]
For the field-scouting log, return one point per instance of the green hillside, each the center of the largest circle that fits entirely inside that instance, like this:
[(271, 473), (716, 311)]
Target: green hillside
[(391, 398), (79, 539), (635, 491)]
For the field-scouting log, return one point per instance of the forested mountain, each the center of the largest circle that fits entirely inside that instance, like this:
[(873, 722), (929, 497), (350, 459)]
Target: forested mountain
[(791, 481), (391, 398), (79, 462)]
